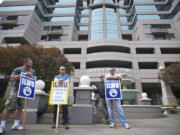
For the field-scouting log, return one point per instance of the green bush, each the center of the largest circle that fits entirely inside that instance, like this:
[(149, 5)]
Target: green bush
[(46, 61)]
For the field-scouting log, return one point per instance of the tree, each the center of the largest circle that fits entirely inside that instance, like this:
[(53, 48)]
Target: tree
[(171, 75), (46, 61)]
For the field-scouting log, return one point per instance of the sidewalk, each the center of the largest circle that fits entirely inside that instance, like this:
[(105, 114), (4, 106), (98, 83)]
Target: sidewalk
[(163, 126)]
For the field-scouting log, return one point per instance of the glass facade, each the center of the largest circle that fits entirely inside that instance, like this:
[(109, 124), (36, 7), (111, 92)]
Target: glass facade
[(17, 8), (64, 10), (70, 18), (12, 0), (97, 31), (111, 24), (60, 2), (108, 20), (137, 11), (83, 28), (149, 1), (84, 20), (85, 11), (97, 1)]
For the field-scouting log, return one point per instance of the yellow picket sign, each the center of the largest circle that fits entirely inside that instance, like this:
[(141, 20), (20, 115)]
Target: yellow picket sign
[(59, 93), (59, 96)]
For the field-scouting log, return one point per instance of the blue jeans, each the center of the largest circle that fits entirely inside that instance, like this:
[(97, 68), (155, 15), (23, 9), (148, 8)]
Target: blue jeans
[(119, 111), (64, 114)]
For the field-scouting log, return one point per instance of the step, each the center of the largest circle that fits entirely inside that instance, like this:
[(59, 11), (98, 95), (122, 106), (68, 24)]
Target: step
[(131, 112)]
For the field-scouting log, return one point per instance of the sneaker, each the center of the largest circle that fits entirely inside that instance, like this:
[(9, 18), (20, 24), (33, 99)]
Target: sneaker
[(66, 127), (127, 126), (112, 125), (17, 127), (1, 130)]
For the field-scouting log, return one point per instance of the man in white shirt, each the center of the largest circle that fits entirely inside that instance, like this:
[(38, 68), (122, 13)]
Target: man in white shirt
[(119, 110)]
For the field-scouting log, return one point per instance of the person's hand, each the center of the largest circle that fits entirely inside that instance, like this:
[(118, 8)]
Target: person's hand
[(94, 87), (61, 80), (29, 74)]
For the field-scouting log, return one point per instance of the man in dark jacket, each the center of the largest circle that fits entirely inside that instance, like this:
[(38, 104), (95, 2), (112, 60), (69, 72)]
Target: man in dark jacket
[(102, 101)]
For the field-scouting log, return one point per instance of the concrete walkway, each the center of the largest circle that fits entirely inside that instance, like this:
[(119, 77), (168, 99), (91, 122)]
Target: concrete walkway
[(163, 126)]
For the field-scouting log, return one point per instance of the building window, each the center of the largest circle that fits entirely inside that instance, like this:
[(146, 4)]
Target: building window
[(97, 24), (170, 50), (111, 24), (44, 37), (156, 26), (83, 27), (12, 27), (19, 27), (84, 20), (84, 11), (54, 28), (17, 8), (72, 50), (68, 18), (83, 38), (54, 37), (76, 65), (144, 50), (160, 36), (148, 17), (60, 2), (127, 37), (148, 65), (97, 1), (64, 10)]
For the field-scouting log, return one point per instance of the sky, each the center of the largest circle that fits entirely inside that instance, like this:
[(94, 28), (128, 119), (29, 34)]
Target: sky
[(1, 1)]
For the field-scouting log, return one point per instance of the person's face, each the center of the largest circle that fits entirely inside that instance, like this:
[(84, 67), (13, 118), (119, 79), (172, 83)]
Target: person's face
[(102, 78), (112, 71), (62, 71), (28, 64)]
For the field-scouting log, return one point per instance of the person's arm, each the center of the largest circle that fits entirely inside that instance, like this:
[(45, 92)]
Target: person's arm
[(15, 75), (68, 78), (56, 79), (94, 87), (113, 78)]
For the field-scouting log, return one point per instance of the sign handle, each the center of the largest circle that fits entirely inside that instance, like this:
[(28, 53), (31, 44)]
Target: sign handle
[(114, 112), (57, 118), (24, 119)]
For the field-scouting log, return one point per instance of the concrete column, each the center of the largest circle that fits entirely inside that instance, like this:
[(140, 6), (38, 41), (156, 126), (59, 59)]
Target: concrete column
[(71, 91), (90, 22), (118, 21), (83, 60), (138, 87), (167, 95)]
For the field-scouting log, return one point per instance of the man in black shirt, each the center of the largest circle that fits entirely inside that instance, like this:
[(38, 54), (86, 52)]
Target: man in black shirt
[(100, 87)]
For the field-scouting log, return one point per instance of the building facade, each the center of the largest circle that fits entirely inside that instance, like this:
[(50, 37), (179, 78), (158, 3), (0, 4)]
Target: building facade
[(134, 36)]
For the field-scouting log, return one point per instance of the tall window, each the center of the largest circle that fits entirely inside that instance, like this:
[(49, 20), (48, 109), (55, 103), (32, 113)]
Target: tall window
[(111, 24), (97, 24)]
